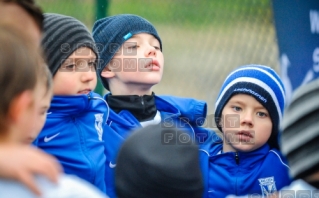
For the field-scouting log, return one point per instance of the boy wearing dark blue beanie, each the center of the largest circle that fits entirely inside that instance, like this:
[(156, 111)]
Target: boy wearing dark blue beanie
[(131, 63), (248, 111)]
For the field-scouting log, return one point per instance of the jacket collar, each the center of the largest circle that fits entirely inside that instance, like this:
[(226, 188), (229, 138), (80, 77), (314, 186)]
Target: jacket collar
[(142, 107), (70, 105), (127, 120), (246, 159)]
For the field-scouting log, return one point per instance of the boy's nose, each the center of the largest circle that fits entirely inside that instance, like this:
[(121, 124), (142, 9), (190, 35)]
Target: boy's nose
[(88, 75), (150, 51), (247, 119)]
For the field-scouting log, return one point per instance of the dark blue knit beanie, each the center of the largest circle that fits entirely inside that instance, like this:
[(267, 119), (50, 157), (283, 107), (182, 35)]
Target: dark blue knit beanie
[(260, 82), (111, 32)]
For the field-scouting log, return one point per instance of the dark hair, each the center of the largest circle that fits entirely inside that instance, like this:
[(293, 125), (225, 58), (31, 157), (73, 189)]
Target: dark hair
[(30, 7), (21, 68)]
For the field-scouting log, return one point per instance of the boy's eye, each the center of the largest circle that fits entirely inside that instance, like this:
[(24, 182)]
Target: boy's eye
[(70, 67), (235, 108), (132, 47), (262, 114), (157, 48), (92, 65)]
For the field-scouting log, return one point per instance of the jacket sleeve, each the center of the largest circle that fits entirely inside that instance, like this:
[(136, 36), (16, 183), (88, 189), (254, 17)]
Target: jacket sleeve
[(281, 169), (193, 109)]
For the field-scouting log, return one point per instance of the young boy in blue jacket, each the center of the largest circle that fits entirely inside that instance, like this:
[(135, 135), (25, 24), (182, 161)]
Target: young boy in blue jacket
[(131, 63), (22, 115), (248, 111), (74, 127)]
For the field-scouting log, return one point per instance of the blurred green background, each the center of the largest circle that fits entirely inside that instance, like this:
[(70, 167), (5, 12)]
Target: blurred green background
[(203, 40)]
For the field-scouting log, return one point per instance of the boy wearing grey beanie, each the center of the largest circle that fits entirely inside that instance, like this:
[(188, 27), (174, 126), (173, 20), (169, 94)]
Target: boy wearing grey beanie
[(75, 122), (131, 63)]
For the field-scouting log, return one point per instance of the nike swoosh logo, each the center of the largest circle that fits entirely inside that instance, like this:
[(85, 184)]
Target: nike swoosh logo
[(48, 139), (112, 165)]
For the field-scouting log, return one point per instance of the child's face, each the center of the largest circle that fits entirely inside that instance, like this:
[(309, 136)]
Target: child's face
[(247, 125), (42, 100), (77, 74), (139, 71)]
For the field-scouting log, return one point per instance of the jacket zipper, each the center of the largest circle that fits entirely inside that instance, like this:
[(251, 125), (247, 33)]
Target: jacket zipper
[(142, 102), (237, 162), (237, 158)]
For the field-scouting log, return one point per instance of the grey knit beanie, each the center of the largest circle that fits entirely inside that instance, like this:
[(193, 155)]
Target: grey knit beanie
[(300, 131), (62, 36), (111, 32), (148, 167)]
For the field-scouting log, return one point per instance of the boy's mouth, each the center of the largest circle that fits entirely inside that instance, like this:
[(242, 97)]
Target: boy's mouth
[(85, 91), (244, 135), (153, 65)]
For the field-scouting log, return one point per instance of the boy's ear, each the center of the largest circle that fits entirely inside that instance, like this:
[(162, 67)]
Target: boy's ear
[(19, 105), (107, 72)]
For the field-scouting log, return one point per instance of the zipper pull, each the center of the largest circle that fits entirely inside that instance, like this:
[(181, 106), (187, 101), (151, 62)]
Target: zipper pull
[(142, 101), (237, 158)]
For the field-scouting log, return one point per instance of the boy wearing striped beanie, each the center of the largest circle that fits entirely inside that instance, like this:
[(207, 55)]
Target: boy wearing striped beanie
[(75, 122), (248, 111)]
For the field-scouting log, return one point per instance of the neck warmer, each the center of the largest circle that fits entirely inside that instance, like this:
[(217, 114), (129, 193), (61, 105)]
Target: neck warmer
[(142, 107)]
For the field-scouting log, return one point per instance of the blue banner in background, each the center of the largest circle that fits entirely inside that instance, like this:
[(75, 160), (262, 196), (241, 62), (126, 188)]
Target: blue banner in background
[(297, 28)]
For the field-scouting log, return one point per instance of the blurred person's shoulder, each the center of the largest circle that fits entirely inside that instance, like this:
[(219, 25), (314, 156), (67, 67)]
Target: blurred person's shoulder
[(298, 185), (68, 186)]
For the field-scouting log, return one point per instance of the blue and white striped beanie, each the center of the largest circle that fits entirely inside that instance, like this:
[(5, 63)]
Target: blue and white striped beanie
[(260, 82)]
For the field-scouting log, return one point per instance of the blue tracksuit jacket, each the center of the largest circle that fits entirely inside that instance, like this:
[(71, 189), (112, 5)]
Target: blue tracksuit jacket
[(73, 134), (178, 112), (261, 172)]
